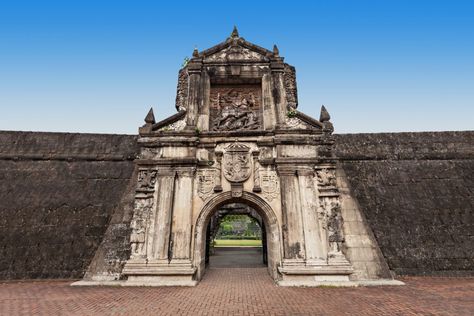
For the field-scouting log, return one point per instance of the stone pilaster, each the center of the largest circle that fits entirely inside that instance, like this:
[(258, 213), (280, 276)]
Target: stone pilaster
[(181, 226), (315, 253), (293, 236), (160, 240)]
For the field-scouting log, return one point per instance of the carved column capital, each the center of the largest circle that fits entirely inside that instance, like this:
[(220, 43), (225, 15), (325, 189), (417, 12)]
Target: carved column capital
[(305, 170), (164, 171), (185, 171)]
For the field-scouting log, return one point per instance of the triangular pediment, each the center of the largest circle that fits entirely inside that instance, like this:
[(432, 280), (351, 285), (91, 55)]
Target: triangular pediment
[(298, 120), (236, 49)]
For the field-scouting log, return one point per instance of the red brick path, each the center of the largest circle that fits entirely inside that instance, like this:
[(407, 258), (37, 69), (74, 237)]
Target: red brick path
[(240, 292)]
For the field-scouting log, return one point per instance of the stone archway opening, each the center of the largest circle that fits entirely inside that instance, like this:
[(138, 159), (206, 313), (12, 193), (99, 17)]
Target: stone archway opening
[(236, 238), (268, 255)]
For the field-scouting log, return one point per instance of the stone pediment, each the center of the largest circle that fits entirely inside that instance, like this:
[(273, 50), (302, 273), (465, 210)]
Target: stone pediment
[(298, 120), (176, 122), (236, 48), (235, 52)]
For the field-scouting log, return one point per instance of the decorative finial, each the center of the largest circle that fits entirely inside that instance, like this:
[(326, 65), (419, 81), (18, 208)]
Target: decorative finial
[(195, 52), (150, 117), (324, 117), (235, 32), (276, 51)]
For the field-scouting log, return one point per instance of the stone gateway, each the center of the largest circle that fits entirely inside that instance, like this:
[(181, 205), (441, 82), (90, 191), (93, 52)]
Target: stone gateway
[(239, 138)]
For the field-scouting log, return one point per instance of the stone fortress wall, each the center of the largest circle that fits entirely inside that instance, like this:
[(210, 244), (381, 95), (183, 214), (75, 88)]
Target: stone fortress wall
[(58, 193), (64, 195), (416, 191)]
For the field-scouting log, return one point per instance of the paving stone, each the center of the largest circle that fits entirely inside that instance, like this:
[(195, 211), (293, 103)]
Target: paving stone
[(240, 291)]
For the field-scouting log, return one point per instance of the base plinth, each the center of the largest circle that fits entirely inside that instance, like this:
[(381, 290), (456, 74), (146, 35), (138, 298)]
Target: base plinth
[(316, 275), (141, 273)]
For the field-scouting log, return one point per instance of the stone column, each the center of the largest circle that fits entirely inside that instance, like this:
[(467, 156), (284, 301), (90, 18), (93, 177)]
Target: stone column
[(181, 226), (315, 253), (160, 235), (194, 92), (269, 119), (279, 91), (293, 236)]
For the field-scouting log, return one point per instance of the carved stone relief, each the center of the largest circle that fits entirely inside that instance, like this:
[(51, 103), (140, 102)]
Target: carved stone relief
[(142, 210), (182, 90), (290, 86), (266, 153), (206, 182), (295, 123), (330, 216), (269, 184), (235, 107), (141, 215), (146, 180), (237, 166), (176, 126), (326, 177), (235, 52), (334, 227)]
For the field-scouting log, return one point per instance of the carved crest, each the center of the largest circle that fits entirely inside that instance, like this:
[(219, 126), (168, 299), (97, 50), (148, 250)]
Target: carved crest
[(237, 163), (269, 184), (206, 182)]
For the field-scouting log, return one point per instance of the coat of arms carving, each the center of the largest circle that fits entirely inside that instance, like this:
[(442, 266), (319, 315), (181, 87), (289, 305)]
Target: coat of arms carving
[(206, 182), (269, 184), (237, 163)]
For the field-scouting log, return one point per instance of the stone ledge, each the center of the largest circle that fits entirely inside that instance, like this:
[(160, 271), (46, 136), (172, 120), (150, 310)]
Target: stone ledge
[(379, 282), (316, 270)]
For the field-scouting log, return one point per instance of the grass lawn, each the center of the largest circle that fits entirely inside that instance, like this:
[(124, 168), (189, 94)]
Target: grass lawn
[(237, 243)]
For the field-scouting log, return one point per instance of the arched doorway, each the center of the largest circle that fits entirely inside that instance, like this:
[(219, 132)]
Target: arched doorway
[(269, 224), (236, 238)]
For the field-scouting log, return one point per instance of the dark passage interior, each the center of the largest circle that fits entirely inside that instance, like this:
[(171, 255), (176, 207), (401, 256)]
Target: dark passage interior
[(236, 238)]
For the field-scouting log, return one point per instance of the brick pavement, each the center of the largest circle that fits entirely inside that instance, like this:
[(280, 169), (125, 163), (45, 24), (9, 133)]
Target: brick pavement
[(240, 291)]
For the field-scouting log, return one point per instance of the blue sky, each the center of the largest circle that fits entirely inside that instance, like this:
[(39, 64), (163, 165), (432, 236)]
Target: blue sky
[(97, 66)]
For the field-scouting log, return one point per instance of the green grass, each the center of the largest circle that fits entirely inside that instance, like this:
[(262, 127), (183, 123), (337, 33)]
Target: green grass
[(238, 243)]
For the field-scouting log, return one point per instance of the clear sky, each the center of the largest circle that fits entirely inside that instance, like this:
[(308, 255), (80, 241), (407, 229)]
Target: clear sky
[(97, 66)]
